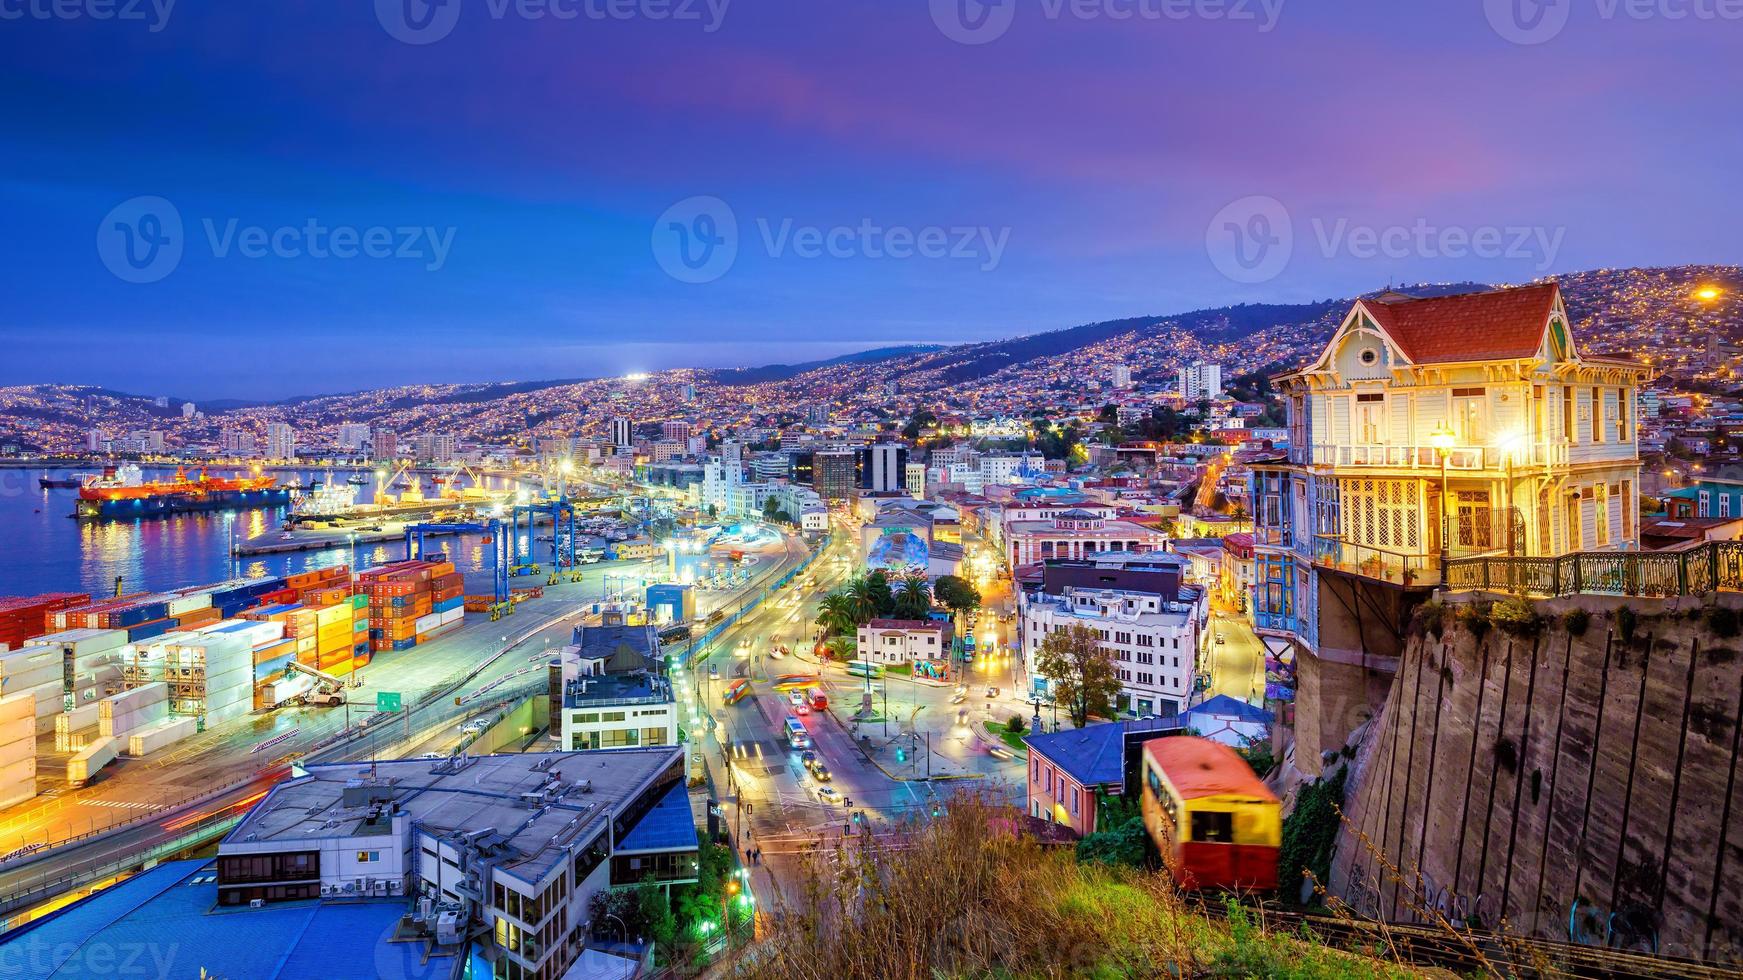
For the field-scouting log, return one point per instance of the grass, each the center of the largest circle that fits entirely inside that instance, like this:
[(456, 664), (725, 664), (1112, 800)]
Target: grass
[(963, 896), (1012, 739)]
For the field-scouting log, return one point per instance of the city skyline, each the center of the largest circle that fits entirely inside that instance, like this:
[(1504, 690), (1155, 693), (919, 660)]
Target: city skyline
[(1059, 168)]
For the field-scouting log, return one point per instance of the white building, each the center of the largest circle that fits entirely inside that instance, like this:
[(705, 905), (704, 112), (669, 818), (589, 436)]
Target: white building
[(609, 690), (622, 432), (188, 410), (1122, 376), (903, 641), (1153, 639), (437, 448), (1200, 381), (353, 436), (281, 441), (885, 467), (914, 480)]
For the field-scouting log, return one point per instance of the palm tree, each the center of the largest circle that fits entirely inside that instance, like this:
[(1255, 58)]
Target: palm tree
[(863, 599), (835, 614), (913, 598)]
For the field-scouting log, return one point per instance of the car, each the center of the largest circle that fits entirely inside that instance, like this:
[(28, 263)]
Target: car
[(473, 727), (827, 794), (808, 758), (801, 708), (796, 698), (1219, 638), (958, 697), (1001, 753), (432, 755), (992, 692), (821, 773)]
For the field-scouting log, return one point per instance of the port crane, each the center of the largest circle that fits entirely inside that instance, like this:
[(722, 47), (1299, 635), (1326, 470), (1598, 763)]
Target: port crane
[(562, 512), (497, 551)]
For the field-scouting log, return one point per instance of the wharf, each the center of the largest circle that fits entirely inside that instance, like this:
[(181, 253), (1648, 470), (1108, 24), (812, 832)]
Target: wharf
[(311, 539)]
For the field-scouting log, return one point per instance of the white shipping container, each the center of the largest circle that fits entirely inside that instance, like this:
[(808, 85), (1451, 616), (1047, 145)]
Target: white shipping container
[(217, 716), (17, 706), (126, 701), (77, 740), (29, 658), (145, 741), (85, 641), (250, 632), (278, 692), (17, 782), (190, 602), (131, 721), (84, 716), (84, 765), (428, 623), (35, 677), (453, 615), (15, 751)]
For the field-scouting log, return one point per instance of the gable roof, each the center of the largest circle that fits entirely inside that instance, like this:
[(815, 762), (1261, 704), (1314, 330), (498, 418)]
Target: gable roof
[(1224, 706), (1199, 767), (1494, 325)]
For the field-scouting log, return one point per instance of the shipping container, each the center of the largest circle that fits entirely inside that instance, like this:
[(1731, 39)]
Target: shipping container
[(161, 735), (86, 764), (18, 782)]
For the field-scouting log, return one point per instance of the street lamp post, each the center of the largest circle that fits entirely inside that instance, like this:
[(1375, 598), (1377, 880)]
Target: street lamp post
[(1442, 440)]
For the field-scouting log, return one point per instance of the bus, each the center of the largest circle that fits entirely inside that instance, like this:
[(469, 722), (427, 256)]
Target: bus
[(865, 668), (797, 736), (968, 648), (736, 691)]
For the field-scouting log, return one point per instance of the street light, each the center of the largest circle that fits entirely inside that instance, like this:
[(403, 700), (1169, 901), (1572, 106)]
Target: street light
[(1442, 441), (1511, 443)]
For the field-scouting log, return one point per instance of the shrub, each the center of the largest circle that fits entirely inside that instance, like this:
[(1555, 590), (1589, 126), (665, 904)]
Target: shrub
[(1575, 621), (1517, 616), (1476, 620), (1722, 620), (1016, 725), (1309, 833), (1627, 620), (1429, 618)]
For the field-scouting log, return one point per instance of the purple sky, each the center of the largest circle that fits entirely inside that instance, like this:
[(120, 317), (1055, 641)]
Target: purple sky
[(1073, 168)]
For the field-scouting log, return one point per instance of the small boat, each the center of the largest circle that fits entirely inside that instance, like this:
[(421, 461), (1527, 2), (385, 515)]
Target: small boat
[(73, 482), (358, 480)]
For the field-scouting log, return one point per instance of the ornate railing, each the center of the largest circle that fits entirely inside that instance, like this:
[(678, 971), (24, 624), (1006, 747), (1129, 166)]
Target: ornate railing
[(1713, 567)]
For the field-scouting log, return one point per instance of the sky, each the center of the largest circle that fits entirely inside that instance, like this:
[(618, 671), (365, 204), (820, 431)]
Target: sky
[(212, 199)]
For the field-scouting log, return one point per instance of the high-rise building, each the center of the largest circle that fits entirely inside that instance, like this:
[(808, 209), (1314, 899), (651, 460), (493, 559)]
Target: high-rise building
[(817, 415), (353, 436), (1122, 376), (832, 473), (622, 432), (688, 392), (235, 442), (96, 441), (281, 441), (915, 475), (732, 452), (675, 431), (188, 410), (437, 448), (883, 467), (1200, 381), (384, 444)]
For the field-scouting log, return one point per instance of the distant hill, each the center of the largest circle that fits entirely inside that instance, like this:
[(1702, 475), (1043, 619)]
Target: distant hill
[(783, 372)]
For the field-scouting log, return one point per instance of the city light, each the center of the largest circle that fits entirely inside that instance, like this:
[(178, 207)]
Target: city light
[(1707, 294)]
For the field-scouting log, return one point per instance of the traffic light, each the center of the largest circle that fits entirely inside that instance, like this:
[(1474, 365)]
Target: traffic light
[(901, 755)]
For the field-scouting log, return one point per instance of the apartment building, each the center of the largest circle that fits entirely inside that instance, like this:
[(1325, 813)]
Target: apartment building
[(608, 690), (903, 641)]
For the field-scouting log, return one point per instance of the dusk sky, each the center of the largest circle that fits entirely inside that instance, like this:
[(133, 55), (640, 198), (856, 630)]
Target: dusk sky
[(556, 197)]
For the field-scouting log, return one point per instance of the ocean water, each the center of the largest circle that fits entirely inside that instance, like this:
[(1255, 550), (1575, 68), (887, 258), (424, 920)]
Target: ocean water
[(43, 549)]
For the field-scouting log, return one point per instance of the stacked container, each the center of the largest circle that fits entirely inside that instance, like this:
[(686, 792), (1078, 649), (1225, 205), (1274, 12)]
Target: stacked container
[(24, 617), (74, 729), (93, 757), (91, 662), (211, 673), (17, 748), (38, 672), (144, 741), (403, 601), (121, 714)]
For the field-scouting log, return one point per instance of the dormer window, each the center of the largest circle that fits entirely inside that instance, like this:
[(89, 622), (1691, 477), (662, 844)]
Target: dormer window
[(1369, 356)]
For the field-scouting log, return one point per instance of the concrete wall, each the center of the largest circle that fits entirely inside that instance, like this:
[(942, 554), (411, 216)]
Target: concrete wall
[(1575, 788)]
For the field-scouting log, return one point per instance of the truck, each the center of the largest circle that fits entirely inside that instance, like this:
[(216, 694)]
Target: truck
[(329, 691)]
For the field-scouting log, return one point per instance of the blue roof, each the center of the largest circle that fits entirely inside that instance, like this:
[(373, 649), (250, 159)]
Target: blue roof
[(1226, 706), (669, 826), (1092, 755), (170, 916)]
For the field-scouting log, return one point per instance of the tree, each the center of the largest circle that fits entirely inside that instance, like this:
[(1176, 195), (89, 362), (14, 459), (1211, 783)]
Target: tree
[(1084, 677), (913, 598), (956, 594), (862, 599), (836, 614), (882, 594)]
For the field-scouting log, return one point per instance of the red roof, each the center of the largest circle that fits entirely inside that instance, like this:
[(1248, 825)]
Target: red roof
[(905, 624), (1496, 325), (1199, 767)]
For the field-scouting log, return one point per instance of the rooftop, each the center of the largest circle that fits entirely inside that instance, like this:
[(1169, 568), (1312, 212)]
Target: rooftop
[(1199, 767), (483, 792), (1491, 325), (170, 914), (623, 648), (1092, 755)]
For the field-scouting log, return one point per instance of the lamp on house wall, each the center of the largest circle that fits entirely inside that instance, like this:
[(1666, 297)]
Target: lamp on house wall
[(1511, 442), (1442, 440)]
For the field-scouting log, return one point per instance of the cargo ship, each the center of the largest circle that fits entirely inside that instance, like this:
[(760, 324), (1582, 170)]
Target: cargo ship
[(124, 494), (63, 482)]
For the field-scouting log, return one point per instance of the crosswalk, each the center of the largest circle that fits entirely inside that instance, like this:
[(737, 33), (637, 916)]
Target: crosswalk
[(123, 804)]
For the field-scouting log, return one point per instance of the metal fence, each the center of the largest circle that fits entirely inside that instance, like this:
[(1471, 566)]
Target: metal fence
[(1713, 567)]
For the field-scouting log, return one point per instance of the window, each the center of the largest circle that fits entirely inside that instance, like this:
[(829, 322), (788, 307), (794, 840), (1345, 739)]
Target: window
[(368, 857), (1601, 496), (1622, 413), (1724, 505), (1370, 356), (1597, 423), (1568, 417), (1216, 828), (1705, 505)]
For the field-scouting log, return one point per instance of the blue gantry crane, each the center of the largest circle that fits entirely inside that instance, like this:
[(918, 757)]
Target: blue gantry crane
[(496, 554), (562, 512)]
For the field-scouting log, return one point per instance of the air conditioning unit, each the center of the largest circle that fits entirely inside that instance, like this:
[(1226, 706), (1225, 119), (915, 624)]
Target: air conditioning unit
[(257, 903), (393, 886)]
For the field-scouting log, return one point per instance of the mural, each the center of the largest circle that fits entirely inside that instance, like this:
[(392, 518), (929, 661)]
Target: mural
[(898, 552)]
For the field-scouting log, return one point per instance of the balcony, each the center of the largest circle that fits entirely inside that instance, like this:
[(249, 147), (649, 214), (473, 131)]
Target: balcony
[(1379, 564), (1459, 459), (1713, 567)]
